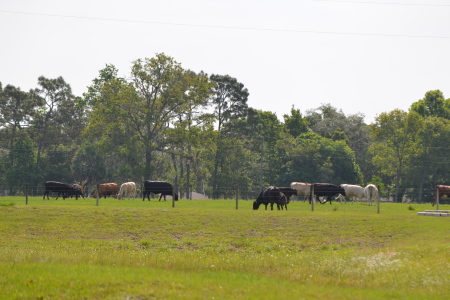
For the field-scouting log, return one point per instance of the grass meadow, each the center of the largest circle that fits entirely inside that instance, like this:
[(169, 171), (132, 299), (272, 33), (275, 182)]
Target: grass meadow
[(208, 249)]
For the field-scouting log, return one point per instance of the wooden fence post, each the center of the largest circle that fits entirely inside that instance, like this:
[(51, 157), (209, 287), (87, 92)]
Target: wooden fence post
[(237, 196), (26, 194), (173, 197), (437, 199), (312, 197), (96, 201), (378, 203)]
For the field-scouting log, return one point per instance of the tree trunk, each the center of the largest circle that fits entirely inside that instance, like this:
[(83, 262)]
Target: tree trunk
[(419, 197), (188, 183)]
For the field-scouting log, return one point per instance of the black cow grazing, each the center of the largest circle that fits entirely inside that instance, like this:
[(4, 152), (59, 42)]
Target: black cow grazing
[(288, 192), (283, 201), (158, 187), (326, 190), (270, 195), (57, 187), (77, 191)]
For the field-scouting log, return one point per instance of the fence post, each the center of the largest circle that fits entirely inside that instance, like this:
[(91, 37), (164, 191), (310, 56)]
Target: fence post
[(173, 198), (237, 196), (96, 201), (378, 203), (437, 199), (26, 194), (312, 197)]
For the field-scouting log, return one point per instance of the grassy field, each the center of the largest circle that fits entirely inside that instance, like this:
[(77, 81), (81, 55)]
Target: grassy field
[(207, 249)]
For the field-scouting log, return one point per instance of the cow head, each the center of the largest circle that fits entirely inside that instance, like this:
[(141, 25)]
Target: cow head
[(256, 205)]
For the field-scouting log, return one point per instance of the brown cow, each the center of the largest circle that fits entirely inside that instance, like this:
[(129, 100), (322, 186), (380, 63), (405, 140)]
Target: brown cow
[(444, 192), (107, 189)]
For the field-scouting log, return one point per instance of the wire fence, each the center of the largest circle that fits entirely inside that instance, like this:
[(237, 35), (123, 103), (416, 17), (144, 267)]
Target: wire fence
[(404, 195)]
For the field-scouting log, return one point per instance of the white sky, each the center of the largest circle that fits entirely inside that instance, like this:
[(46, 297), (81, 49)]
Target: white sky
[(367, 57)]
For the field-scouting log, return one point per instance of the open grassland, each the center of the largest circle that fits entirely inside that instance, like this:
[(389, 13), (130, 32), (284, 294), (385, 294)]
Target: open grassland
[(206, 249)]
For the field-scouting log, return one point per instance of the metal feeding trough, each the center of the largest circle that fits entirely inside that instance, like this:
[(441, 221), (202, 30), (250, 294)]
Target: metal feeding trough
[(435, 213)]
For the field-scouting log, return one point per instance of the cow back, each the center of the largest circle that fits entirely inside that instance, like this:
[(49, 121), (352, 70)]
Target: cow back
[(107, 189), (327, 189)]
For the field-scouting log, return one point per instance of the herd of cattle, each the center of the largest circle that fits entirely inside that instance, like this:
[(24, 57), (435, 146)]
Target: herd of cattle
[(127, 190), (281, 195), (269, 195)]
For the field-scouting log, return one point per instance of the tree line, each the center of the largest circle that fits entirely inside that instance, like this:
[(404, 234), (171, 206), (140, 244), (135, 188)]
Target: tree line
[(195, 130)]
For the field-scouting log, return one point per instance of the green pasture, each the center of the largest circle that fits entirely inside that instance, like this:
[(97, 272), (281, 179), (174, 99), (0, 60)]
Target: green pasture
[(208, 249)]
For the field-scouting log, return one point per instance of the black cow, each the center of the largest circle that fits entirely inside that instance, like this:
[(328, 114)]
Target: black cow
[(288, 192), (326, 190), (158, 187), (270, 195), (59, 187), (77, 191), (283, 201)]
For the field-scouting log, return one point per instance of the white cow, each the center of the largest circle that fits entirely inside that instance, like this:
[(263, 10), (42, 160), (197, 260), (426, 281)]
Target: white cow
[(351, 190), (127, 189), (371, 192), (302, 188)]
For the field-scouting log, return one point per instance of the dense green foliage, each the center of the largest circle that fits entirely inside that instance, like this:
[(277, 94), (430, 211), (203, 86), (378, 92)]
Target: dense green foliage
[(164, 122), (204, 249)]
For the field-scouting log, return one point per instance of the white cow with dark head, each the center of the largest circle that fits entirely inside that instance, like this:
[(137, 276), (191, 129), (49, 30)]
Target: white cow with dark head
[(302, 188), (351, 190)]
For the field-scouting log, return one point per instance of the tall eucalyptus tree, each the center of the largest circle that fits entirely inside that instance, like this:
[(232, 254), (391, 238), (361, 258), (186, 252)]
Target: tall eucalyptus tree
[(229, 101), (135, 115), (17, 109), (394, 135)]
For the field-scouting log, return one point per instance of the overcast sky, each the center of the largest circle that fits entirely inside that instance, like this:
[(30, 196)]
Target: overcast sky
[(363, 57)]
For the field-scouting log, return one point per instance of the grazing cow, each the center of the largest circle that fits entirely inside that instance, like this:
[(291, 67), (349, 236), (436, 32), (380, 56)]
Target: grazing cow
[(444, 192), (106, 189), (288, 192), (371, 192), (158, 187), (127, 189), (326, 190), (351, 190), (302, 188), (270, 195), (283, 201), (77, 191), (59, 187)]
